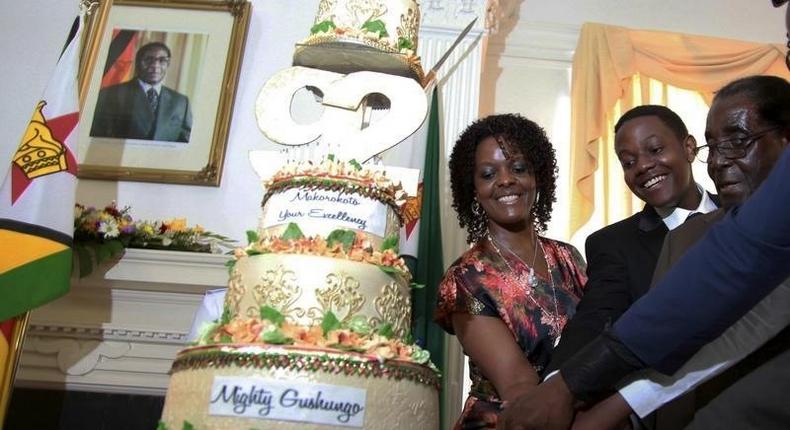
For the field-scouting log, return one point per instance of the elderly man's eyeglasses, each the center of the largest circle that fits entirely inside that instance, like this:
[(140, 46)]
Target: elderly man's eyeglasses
[(731, 148), (162, 61)]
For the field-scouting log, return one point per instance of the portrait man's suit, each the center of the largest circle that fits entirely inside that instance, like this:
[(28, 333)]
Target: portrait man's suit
[(123, 111), (751, 394)]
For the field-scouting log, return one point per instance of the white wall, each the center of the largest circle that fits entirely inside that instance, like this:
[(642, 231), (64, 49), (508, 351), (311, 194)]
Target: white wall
[(528, 63)]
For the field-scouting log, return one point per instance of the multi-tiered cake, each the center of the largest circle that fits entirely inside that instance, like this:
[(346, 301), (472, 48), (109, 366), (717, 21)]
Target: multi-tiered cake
[(316, 321), (353, 35)]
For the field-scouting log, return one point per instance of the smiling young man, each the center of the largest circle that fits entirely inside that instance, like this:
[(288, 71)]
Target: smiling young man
[(656, 152)]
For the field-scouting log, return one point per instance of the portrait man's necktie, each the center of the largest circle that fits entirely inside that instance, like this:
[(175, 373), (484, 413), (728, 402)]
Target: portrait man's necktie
[(153, 99)]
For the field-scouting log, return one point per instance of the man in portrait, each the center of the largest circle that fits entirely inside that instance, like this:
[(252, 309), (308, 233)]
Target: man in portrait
[(143, 108)]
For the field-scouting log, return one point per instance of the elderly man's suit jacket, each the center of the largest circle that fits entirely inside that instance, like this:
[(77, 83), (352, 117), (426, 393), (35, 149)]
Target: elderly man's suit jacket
[(750, 395), (123, 111)]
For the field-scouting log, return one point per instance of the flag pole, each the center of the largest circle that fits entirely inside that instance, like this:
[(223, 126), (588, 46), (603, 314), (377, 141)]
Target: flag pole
[(8, 369)]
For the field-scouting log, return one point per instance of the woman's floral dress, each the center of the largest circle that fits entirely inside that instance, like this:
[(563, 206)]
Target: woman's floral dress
[(481, 283)]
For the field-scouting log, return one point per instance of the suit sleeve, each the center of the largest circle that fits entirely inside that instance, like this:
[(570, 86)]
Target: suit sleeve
[(606, 297), (738, 262)]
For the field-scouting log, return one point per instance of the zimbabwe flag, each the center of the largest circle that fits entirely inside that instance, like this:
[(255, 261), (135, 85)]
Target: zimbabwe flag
[(37, 195)]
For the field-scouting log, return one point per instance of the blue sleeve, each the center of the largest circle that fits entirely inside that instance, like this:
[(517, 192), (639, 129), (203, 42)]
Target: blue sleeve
[(739, 261)]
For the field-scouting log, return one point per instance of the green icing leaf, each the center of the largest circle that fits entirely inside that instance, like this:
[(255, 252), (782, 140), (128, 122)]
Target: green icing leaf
[(252, 237), (343, 237), (292, 232), (347, 347), (275, 337), (359, 324), (390, 242), (329, 323), (230, 264), (330, 157), (389, 270), (416, 286), (251, 252), (355, 164), (187, 426), (404, 43), (385, 330), (161, 426), (376, 26), (225, 316), (323, 27), (273, 315), (225, 339), (420, 355)]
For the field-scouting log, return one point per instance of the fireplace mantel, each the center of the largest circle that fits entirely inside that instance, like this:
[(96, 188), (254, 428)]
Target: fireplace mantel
[(118, 330)]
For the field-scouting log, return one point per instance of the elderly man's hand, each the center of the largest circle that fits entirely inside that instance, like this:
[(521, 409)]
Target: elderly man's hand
[(547, 407)]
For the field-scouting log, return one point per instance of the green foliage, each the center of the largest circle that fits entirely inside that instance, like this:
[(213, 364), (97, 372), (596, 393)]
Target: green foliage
[(376, 26), (323, 27), (268, 313), (187, 426), (292, 232), (344, 237), (329, 323), (161, 426), (94, 253)]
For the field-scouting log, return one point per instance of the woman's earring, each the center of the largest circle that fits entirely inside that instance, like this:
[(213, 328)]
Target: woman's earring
[(477, 210)]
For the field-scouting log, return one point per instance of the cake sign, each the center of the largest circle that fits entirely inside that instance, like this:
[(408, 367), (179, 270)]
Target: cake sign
[(287, 401), (304, 206)]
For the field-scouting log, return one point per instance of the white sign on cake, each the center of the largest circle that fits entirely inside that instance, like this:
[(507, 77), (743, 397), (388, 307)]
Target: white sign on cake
[(287, 401)]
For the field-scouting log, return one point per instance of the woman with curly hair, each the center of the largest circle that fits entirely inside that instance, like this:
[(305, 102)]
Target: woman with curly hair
[(508, 297)]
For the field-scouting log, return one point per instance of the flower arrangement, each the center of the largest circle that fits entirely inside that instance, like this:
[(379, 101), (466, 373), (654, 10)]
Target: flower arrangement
[(103, 233), (271, 328)]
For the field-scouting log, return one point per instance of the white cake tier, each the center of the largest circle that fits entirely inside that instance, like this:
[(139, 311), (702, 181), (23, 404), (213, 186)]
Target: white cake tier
[(397, 23), (261, 387), (318, 212), (304, 287)]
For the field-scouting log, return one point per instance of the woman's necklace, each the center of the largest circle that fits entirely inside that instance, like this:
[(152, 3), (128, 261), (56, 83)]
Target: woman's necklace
[(555, 321)]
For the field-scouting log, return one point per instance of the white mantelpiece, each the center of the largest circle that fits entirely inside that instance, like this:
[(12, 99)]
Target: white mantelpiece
[(119, 329)]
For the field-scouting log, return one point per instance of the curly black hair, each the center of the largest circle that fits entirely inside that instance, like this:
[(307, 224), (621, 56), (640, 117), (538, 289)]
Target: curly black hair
[(519, 135)]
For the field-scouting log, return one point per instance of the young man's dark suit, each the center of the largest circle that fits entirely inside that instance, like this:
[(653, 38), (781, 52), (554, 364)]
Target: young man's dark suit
[(751, 394), (123, 111), (621, 258)]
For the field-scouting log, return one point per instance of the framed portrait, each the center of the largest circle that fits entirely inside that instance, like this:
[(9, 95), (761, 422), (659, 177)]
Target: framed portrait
[(158, 82)]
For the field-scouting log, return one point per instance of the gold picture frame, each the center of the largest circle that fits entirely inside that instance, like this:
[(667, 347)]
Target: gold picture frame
[(190, 52)]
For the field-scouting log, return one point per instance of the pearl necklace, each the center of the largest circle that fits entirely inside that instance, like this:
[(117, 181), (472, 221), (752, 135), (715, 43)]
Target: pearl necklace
[(555, 321)]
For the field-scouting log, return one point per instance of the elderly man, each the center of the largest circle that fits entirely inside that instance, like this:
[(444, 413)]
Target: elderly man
[(143, 108)]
